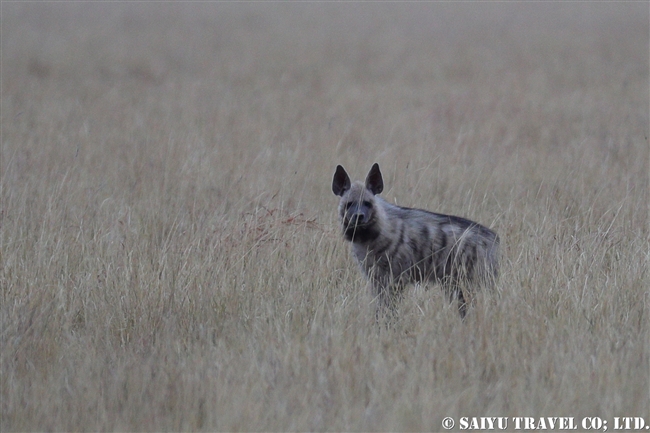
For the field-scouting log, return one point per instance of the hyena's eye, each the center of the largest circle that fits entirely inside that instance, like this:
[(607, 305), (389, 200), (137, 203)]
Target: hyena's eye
[(367, 204), (347, 205)]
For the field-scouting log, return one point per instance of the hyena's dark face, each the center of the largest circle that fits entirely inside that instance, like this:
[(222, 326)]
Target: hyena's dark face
[(357, 208)]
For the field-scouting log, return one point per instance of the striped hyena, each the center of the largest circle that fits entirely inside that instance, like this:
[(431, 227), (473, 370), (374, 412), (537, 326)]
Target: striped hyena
[(396, 245)]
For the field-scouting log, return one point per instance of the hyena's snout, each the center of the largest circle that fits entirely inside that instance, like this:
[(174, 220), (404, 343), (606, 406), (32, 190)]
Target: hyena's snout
[(357, 215)]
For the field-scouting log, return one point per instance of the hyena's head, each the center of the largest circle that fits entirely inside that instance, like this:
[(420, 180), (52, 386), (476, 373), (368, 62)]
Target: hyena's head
[(359, 211)]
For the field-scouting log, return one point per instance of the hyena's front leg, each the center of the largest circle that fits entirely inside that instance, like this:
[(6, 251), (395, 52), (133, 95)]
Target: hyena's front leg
[(386, 296)]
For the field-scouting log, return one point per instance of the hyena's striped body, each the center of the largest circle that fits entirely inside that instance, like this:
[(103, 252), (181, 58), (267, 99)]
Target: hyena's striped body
[(396, 245)]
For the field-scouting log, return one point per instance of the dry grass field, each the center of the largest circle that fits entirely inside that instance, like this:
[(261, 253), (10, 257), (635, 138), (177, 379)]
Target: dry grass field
[(170, 256)]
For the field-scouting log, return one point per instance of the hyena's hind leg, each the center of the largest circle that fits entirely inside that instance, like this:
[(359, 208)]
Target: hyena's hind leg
[(462, 303), (456, 294)]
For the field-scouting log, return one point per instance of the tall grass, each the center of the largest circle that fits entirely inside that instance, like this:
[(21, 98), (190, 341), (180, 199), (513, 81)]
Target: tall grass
[(170, 257)]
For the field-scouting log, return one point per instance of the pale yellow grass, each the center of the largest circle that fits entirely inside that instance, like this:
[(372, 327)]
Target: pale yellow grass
[(170, 258)]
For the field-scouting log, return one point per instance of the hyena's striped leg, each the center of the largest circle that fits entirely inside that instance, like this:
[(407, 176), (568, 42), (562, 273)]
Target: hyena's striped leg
[(455, 292), (387, 297), (462, 304)]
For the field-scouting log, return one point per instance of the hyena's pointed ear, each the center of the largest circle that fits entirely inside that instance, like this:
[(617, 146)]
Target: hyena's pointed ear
[(341, 182), (374, 181)]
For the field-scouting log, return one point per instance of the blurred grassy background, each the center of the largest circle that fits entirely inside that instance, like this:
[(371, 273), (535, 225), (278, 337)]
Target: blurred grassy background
[(170, 254)]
